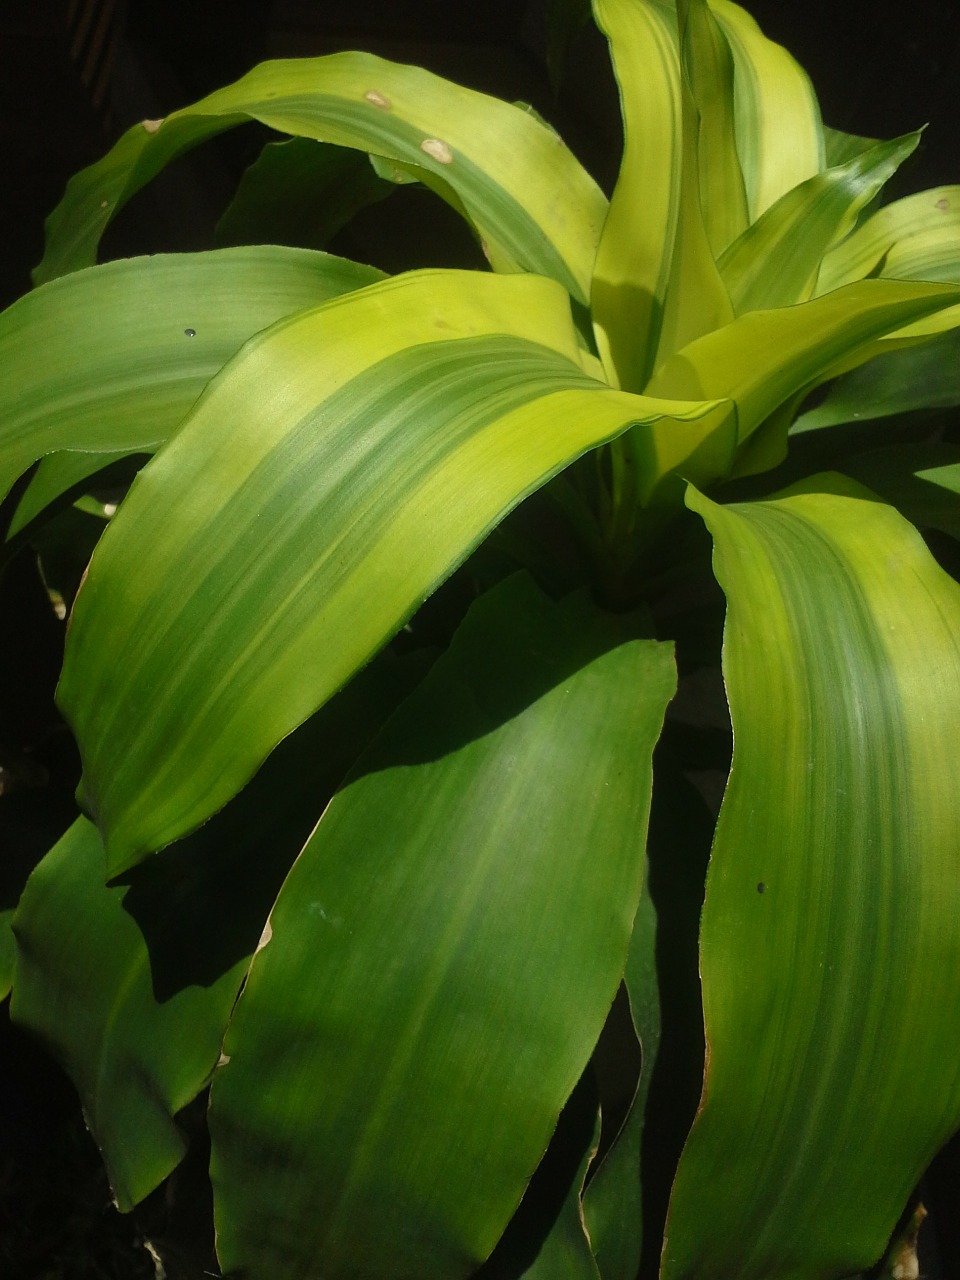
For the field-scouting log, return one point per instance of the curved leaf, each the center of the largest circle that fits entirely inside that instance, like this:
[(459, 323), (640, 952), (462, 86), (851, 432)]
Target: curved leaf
[(84, 986), (929, 218), (534, 206), (63, 473), (765, 357), (778, 125), (777, 260), (483, 862), (341, 467), (709, 67), (112, 358), (635, 252), (831, 982), (655, 286)]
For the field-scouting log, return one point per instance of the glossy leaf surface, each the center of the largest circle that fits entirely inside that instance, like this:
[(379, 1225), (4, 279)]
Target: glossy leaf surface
[(776, 262), (112, 358), (635, 253), (534, 206), (763, 358), (828, 944), (341, 468), (778, 127), (409, 1032)]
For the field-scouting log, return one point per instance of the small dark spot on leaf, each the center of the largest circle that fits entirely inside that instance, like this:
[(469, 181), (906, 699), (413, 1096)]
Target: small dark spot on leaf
[(943, 203), (189, 333), (761, 887)]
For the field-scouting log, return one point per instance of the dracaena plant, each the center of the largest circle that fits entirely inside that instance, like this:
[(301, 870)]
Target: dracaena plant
[(368, 670)]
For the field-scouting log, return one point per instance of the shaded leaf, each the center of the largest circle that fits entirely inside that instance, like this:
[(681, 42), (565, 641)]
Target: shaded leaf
[(299, 192), (131, 985), (485, 859)]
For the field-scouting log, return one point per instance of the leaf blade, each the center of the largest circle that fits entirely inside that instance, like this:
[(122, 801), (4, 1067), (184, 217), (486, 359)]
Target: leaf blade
[(347, 462), (829, 998), (165, 326), (479, 151), (421, 1175)]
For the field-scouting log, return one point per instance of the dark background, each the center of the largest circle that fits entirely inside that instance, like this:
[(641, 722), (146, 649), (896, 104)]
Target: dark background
[(75, 73)]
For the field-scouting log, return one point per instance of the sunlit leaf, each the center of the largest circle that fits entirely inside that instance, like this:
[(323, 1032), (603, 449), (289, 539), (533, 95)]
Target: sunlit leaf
[(343, 466), (479, 152), (828, 948)]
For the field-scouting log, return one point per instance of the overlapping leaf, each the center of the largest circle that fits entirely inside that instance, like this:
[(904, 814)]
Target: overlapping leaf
[(828, 949), (343, 465), (763, 358), (778, 127), (484, 860), (776, 261), (110, 360), (131, 985)]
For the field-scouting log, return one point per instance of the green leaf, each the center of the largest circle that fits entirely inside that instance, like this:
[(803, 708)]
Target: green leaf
[(63, 473), (655, 285), (613, 1203), (346, 462), (529, 199), (828, 944), (926, 376), (112, 358), (566, 1249), (84, 986), (636, 248), (777, 260), (131, 985), (708, 63), (300, 192), (904, 239), (778, 125), (839, 147), (764, 358), (483, 862)]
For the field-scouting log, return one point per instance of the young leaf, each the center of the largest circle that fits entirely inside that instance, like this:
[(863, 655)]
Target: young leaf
[(778, 125), (776, 261)]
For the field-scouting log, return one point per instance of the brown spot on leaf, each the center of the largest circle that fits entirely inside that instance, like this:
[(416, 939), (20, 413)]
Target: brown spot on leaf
[(943, 203), (377, 99), (437, 149), (151, 126)]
